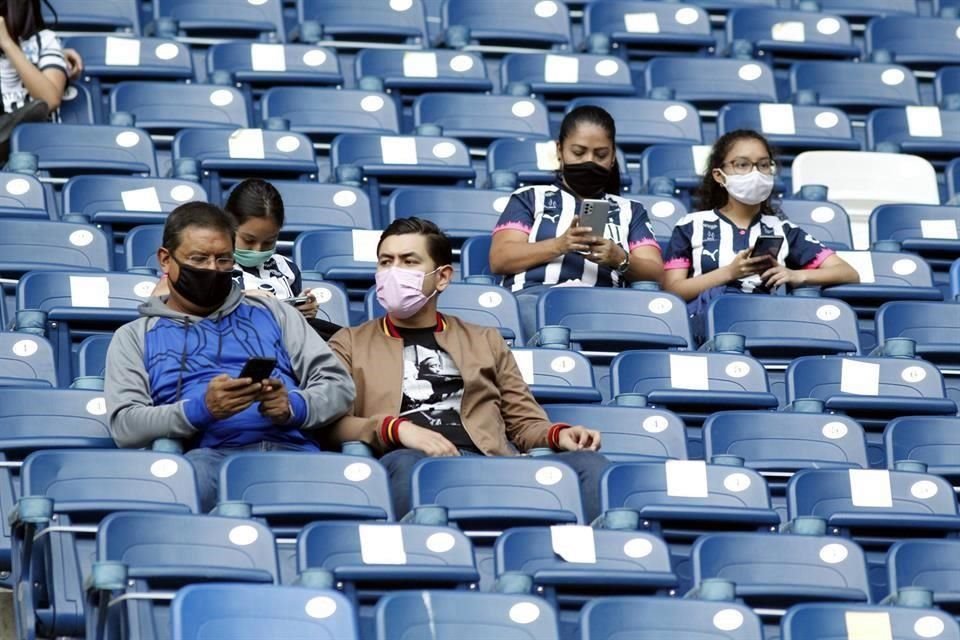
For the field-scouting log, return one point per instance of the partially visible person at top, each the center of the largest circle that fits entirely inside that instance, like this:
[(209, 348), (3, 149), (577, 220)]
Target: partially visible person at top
[(709, 251), (538, 242)]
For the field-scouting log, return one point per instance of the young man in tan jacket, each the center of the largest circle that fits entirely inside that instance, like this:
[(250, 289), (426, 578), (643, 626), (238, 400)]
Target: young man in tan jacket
[(430, 384)]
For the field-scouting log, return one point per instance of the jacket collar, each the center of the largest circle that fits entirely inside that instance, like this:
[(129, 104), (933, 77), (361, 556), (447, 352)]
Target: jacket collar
[(391, 330)]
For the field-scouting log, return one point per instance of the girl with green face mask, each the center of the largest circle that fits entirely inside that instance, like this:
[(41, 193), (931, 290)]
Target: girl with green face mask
[(257, 207)]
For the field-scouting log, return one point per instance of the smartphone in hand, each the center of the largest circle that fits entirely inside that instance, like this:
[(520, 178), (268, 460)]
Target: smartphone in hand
[(767, 246), (298, 301), (258, 369)]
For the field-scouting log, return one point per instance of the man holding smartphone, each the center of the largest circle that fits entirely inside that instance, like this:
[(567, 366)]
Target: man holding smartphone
[(222, 371)]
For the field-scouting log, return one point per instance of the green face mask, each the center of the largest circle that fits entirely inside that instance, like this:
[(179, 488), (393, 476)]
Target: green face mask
[(248, 258)]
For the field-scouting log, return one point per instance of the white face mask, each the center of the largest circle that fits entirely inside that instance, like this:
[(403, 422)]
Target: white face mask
[(752, 188)]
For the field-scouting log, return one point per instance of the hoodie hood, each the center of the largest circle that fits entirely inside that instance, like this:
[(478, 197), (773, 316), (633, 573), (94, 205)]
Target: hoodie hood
[(156, 307)]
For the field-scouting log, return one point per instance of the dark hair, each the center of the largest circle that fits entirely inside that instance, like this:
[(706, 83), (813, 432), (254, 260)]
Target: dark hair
[(23, 18), (592, 114), (255, 198), (438, 244), (711, 194), (195, 214)]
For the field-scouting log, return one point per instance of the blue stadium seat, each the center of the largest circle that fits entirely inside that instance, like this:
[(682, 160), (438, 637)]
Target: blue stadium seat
[(709, 81), (27, 361), (779, 328), (789, 35), (947, 86), (663, 213), (65, 495), (413, 72), (212, 611), (557, 76), (674, 170), (928, 230), (140, 247), (64, 150), (791, 128), (722, 6), (94, 15), (925, 131), (557, 375), (153, 553), (822, 568), (262, 65), (860, 9), (487, 305), (339, 254), (641, 123), (92, 356), (915, 42), (822, 621), (461, 213), (333, 304), (825, 221), (489, 494), (22, 196), (34, 245), (534, 160), (78, 106), (482, 118), (611, 320), (926, 564), (955, 280), (946, 8), (661, 433), (654, 618), (932, 440), (934, 326), (308, 205), (475, 258), (450, 615), (363, 21), (526, 23), (855, 87), (223, 18), (109, 58), (646, 29), (162, 107), (322, 114)]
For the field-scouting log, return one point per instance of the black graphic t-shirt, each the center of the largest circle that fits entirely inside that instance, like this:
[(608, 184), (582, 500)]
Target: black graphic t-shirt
[(432, 387)]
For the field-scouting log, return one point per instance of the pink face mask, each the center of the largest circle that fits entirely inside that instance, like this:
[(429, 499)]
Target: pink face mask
[(400, 291)]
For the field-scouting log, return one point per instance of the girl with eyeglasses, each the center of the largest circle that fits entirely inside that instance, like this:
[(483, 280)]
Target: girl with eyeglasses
[(709, 251)]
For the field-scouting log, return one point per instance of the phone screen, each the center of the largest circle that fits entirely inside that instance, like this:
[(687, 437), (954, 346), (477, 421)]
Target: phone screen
[(767, 246), (258, 369)]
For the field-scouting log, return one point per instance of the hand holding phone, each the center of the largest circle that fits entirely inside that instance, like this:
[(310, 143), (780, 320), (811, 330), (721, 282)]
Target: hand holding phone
[(298, 301), (767, 246)]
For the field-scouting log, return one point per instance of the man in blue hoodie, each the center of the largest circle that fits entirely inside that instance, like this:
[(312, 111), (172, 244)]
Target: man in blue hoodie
[(173, 373)]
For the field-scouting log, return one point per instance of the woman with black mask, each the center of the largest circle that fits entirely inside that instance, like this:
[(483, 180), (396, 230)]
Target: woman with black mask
[(538, 242)]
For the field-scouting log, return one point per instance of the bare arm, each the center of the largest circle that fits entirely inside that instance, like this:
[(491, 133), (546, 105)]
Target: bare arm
[(832, 271), (512, 252), (47, 85), (677, 281)]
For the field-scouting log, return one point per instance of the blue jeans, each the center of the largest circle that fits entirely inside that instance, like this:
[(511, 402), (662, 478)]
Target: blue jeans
[(527, 300), (589, 466), (207, 462)]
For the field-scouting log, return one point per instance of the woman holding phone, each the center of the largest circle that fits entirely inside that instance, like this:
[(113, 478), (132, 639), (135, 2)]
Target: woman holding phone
[(711, 251), (540, 241)]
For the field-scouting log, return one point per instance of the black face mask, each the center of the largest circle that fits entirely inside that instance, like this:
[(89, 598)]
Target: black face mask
[(206, 288), (587, 179)]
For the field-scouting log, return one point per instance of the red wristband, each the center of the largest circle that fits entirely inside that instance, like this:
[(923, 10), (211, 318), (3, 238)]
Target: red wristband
[(553, 435), (390, 430)]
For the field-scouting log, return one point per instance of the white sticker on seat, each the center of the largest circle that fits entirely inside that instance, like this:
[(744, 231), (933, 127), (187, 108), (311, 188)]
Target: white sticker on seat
[(826, 120), (89, 291), (268, 57), (637, 548), (675, 113), (686, 16), (789, 31), (892, 77), (122, 52), (461, 63), (398, 149), (523, 108), (904, 267), (823, 215), (246, 144), (924, 122), (81, 238), (561, 69), (145, 199), (750, 72), (663, 209), (320, 607), (182, 192), (939, 229), (913, 374), (365, 245), (834, 430), (574, 543), (778, 119), (167, 51), (859, 378), (25, 348), (701, 158), (382, 544), (243, 535), (868, 625), (689, 372), (686, 478), (344, 198), (314, 57), (221, 97), (641, 23), (17, 186), (547, 158), (420, 64), (97, 407), (737, 369), (870, 488), (862, 262), (441, 542), (728, 620), (525, 364), (828, 26), (524, 612), (655, 424), (563, 364), (929, 626)]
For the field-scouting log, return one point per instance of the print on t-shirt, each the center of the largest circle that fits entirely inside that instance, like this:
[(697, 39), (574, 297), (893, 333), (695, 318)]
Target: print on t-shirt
[(432, 390)]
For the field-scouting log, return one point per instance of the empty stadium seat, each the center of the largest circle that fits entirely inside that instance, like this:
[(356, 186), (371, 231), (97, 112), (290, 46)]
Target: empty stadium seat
[(364, 21), (475, 258), (823, 621), (140, 248), (661, 433), (932, 440), (654, 618), (673, 169), (482, 118), (34, 245), (27, 361), (928, 230), (94, 15), (611, 320), (534, 160), (557, 375), (859, 9), (339, 254), (925, 131), (211, 611), (413, 72), (926, 564), (789, 35), (641, 123), (22, 196), (912, 41), (955, 280), (646, 29), (222, 18), (527, 23), (461, 213), (323, 114), (709, 81), (162, 107), (333, 304), (64, 150), (557, 76), (791, 128), (853, 86), (92, 356), (109, 58), (825, 221), (308, 205), (946, 8), (262, 65), (947, 87), (934, 326)]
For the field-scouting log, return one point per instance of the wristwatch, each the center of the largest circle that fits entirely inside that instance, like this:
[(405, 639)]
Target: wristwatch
[(624, 266)]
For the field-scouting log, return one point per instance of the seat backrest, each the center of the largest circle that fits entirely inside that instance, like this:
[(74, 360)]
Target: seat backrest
[(94, 15), (889, 268), (22, 194), (449, 613), (205, 17), (26, 360), (660, 434), (625, 21), (354, 251), (914, 39), (656, 618), (402, 156), (856, 9), (825, 221), (827, 377), (760, 26), (929, 564), (140, 246), (482, 117), (946, 83), (845, 621), (52, 290), (108, 56), (647, 371), (70, 149), (926, 130), (534, 160), (643, 122), (92, 356), (245, 150), (90, 195), (555, 74), (711, 80), (165, 106), (904, 222), (461, 213), (308, 205), (533, 23), (928, 323), (333, 305), (855, 84), (52, 418), (932, 440), (785, 441), (210, 611), (267, 64), (560, 368), (790, 126), (663, 212), (475, 257), (414, 71), (325, 113), (683, 163), (29, 245), (374, 20)]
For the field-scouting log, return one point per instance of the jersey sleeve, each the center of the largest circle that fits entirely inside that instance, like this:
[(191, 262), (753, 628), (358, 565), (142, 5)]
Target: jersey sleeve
[(679, 253), (51, 52), (804, 251), (519, 213), (641, 233)]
